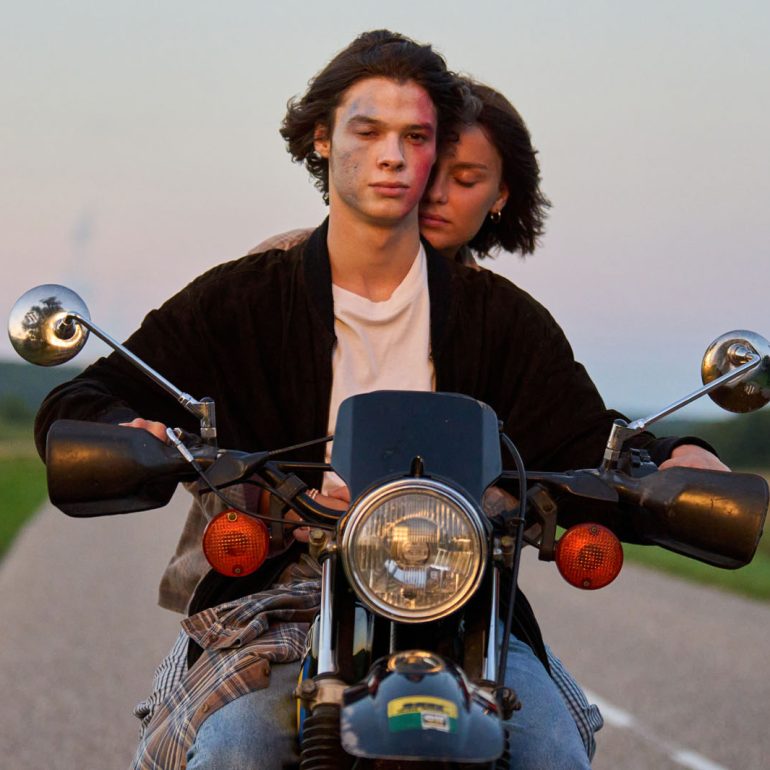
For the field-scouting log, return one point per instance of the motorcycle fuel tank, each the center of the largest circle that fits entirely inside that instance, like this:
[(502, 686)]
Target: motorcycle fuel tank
[(416, 705)]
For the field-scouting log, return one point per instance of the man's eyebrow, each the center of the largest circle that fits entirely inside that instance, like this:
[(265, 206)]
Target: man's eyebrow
[(429, 127), (366, 120)]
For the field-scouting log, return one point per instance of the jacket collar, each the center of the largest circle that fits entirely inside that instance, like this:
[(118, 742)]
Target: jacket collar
[(318, 280), (318, 275)]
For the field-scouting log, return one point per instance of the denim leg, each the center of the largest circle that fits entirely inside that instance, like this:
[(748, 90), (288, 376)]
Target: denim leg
[(254, 732), (543, 734), (257, 731), (587, 716)]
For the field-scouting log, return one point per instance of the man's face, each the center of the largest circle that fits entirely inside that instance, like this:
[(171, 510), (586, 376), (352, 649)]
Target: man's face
[(381, 150)]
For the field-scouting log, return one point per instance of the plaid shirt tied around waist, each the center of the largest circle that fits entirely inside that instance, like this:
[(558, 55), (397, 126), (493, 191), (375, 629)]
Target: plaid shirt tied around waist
[(240, 639)]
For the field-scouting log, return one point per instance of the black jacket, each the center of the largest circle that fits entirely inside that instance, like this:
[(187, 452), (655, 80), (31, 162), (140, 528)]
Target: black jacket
[(257, 335)]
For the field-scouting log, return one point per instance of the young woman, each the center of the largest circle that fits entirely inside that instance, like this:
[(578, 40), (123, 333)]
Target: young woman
[(484, 193)]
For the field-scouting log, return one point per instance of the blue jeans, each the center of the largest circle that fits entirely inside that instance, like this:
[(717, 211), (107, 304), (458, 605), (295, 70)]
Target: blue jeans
[(543, 734), (257, 731)]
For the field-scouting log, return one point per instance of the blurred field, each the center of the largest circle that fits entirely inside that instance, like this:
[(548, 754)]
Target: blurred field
[(22, 479), (22, 492)]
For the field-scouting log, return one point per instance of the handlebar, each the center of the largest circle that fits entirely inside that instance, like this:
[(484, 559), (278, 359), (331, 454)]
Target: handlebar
[(97, 469)]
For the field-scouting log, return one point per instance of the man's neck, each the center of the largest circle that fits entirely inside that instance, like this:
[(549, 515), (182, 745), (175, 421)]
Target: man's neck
[(371, 260)]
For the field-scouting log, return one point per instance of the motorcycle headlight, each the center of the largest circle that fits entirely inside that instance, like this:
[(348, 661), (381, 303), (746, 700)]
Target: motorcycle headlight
[(414, 549)]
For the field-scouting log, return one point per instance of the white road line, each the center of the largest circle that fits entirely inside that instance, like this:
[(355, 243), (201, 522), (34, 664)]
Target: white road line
[(612, 714), (695, 761), (618, 717)]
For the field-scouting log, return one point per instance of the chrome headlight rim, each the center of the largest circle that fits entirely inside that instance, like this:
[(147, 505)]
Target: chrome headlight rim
[(357, 515)]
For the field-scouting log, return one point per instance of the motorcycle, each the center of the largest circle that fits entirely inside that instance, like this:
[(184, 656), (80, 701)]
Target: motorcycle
[(405, 661)]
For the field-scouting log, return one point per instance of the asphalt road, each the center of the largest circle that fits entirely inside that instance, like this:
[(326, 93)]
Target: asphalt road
[(682, 670), (80, 637)]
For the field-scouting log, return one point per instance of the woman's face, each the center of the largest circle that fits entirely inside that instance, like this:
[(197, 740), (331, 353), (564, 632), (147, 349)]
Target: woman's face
[(465, 187)]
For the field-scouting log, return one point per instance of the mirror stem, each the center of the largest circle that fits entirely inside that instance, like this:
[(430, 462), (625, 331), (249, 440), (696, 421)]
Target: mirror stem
[(204, 409), (622, 431)]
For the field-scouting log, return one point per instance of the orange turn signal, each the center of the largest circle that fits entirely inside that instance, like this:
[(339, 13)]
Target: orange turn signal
[(235, 544), (589, 556)]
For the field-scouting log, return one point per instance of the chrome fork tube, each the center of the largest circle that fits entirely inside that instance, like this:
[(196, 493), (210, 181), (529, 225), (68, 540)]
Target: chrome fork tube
[(326, 658), (490, 659)]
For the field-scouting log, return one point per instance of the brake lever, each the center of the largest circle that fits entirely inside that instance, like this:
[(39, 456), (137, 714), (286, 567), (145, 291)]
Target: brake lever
[(184, 442), (190, 440)]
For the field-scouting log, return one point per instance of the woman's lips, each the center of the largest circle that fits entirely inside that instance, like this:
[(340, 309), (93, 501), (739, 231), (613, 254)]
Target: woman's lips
[(432, 220)]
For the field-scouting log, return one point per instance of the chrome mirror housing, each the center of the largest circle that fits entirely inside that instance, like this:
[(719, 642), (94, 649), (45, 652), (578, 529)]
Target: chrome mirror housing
[(726, 353), (44, 326)]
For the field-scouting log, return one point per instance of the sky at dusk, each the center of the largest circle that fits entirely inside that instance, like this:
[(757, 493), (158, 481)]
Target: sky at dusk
[(139, 146)]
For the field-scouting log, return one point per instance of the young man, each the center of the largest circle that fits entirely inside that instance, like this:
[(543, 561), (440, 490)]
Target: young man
[(279, 339)]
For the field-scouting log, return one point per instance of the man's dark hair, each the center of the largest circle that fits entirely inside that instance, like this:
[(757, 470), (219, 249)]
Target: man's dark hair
[(379, 53), (522, 219)]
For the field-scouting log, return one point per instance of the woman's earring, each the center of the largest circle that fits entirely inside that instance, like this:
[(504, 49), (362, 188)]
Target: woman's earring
[(495, 217)]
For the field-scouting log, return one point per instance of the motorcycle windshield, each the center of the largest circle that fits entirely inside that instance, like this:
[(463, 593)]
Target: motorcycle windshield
[(380, 434)]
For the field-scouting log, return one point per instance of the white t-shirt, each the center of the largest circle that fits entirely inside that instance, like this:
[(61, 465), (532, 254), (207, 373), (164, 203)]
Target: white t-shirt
[(381, 345)]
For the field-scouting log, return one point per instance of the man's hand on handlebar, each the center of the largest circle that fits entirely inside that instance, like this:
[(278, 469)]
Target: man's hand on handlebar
[(692, 456), (339, 499), (157, 429)]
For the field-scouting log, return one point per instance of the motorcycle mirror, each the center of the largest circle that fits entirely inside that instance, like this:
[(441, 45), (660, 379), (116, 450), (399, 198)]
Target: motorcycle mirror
[(44, 326), (49, 325), (736, 374), (726, 353)]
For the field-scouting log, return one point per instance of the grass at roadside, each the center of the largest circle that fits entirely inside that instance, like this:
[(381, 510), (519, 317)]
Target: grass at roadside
[(752, 580), (16, 439), (22, 491)]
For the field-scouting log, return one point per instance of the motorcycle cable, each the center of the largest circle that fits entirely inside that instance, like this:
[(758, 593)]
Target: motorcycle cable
[(276, 493), (185, 452), (519, 463), (295, 447)]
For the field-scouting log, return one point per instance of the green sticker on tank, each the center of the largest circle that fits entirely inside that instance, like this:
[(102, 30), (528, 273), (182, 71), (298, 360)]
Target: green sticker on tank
[(422, 712)]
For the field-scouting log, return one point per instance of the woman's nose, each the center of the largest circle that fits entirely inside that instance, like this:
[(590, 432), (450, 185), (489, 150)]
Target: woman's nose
[(436, 191)]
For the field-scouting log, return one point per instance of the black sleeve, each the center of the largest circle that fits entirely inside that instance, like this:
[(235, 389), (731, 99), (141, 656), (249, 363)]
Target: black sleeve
[(557, 418)]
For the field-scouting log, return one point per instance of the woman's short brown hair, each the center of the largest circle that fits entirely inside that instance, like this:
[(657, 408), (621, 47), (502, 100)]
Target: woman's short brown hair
[(379, 53), (522, 220)]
